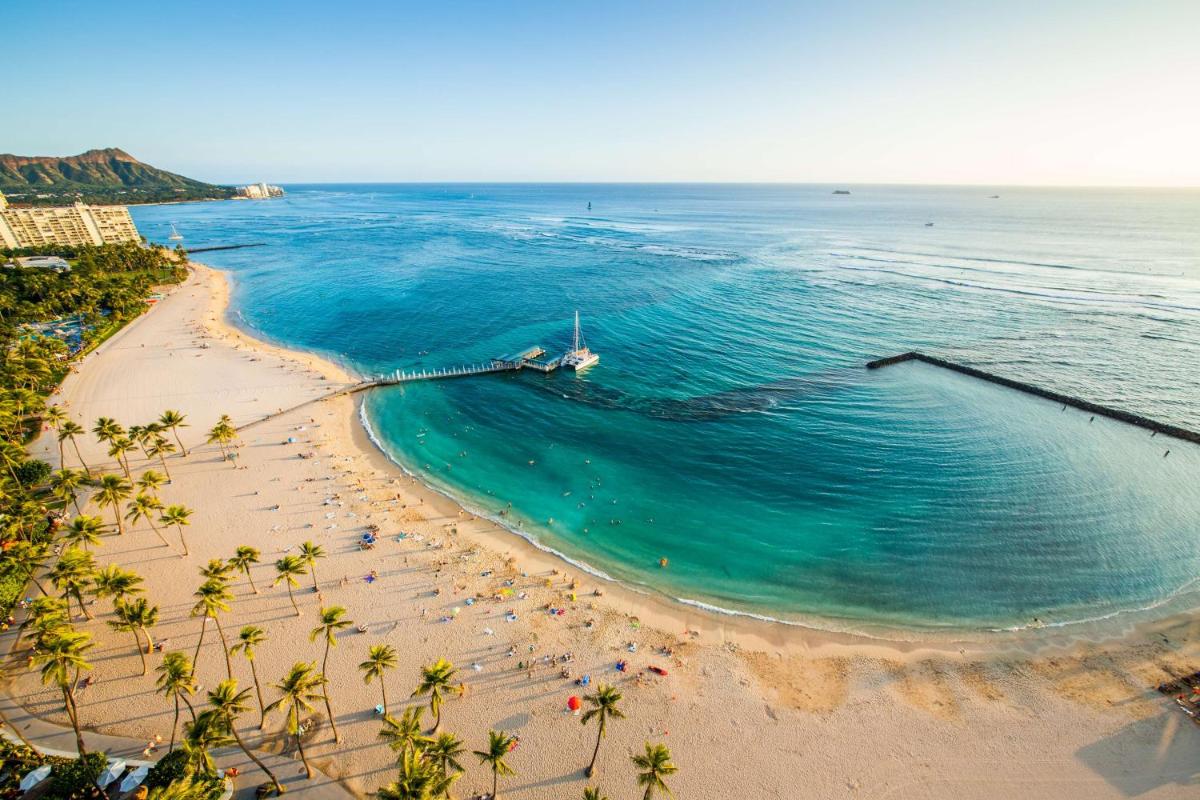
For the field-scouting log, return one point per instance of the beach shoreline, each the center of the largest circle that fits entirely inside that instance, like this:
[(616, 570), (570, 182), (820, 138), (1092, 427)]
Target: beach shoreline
[(852, 713)]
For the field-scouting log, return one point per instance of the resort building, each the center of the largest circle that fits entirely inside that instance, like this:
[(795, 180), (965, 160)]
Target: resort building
[(78, 224)]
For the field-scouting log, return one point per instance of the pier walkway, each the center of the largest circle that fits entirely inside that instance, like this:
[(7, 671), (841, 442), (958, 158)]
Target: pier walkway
[(1140, 421)]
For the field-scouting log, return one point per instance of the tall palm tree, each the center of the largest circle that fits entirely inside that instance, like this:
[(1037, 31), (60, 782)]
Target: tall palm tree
[(160, 448), (176, 680), (244, 558), (83, 530), (68, 431), (404, 735), (62, 656), (203, 735), (106, 429), (309, 553), (138, 434), (117, 583), (178, 516), (30, 558), (216, 570), (499, 744), (380, 658), (146, 507), (604, 707), (136, 617), (151, 482), (113, 490), (173, 421), (72, 575), (298, 690), (119, 448), (249, 638), (222, 434), (54, 416), (65, 484), (45, 617), (444, 751), (230, 703), (655, 764), (287, 568), (418, 779), (435, 679), (333, 619), (212, 598)]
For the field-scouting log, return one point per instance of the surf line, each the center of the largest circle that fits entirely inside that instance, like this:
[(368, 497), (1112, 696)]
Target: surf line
[(1067, 400)]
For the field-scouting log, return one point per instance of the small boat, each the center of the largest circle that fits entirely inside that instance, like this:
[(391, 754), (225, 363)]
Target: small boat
[(579, 357), (841, 191), (175, 236), (589, 205)]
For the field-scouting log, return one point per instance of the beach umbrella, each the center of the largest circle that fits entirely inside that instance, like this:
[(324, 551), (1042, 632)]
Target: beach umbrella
[(134, 779), (34, 778), (573, 703), (115, 767)]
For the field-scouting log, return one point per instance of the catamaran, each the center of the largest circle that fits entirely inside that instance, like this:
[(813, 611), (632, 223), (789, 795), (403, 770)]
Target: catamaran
[(579, 357)]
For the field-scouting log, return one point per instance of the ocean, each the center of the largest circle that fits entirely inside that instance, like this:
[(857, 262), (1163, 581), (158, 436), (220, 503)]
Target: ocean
[(730, 426)]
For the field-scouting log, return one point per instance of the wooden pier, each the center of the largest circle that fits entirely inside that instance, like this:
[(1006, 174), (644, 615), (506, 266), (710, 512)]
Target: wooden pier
[(1067, 400)]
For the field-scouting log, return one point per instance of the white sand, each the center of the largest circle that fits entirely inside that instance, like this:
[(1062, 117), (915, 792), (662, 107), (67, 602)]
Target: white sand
[(749, 709)]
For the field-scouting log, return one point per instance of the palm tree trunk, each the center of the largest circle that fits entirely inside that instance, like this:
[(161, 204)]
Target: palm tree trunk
[(254, 758), (162, 460), (383, 689), (313, 569), (73, 713), (62, 458), (183, 540), (174, 725), (182, 449), (262, 709), (299, 744), (79, 599), (38, 584), (325, 694), (200, 641), (78, 455), (250, 578), (157, 532), (117, 514), (149, 641), (14, 729), (591, 770), (75, 502), (495, 780), (224, 648), (191, 708), (137, 642), (293, 599)]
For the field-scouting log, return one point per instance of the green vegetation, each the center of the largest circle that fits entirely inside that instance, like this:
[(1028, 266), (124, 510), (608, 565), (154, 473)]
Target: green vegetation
[(109, 176)]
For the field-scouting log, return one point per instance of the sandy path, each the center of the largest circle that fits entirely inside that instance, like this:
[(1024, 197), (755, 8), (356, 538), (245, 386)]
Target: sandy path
[(747, 713)]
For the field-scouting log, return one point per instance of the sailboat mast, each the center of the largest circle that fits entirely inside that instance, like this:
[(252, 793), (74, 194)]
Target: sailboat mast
[(575, 345)]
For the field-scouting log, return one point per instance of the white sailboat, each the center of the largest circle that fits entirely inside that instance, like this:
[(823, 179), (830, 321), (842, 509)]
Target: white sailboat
[(579, 357), (175, 236)]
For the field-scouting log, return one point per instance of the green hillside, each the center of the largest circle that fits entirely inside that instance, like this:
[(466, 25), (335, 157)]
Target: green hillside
[(97, 176)]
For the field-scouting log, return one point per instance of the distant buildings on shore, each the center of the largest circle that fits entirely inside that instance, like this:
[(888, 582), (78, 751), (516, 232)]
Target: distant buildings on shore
[(258, 191), (77, 224)]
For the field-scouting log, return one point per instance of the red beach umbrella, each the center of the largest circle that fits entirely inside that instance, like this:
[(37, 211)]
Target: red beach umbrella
[(573, 703)]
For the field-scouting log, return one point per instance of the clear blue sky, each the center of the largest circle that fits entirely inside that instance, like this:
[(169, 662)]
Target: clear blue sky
[(1081, 92)]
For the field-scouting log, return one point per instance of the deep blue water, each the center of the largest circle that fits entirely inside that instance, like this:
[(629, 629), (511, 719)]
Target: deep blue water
[(730, 426)]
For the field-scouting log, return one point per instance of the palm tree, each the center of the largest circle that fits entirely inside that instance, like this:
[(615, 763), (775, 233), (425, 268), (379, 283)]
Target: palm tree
[(593, 793), (146, 507), (244, 558), (160, 448), (113, 491), (419, 779), (73, 574), (288, 568), (107, 429), (309, 553), (173, 420), (435, 679), (65, 484), (139, 434), (62, 656), (604, 706), (249, 638), (404, 735), (380, 658), (46, 616), (444, 752), (655, 765), (119, 448), (215, 570), (176, 680), (84, 530), (69, 430), (213, 597), (499, 744), (55, 417), (151, 482), (203, 735), (297, 692), (222, 433), (117, 583), (178, 516), (332, 620), (136, 617), (30, 558), (227, 701)]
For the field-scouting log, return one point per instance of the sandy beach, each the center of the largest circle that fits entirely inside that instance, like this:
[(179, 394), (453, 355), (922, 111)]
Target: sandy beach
[(749, 709)]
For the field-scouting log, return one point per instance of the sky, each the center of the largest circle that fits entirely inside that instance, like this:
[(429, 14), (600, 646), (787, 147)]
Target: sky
[(1074, 92)]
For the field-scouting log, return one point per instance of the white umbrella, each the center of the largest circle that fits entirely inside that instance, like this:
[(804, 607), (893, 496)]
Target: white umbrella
[(34, 778), (134, 779), (115, 767)]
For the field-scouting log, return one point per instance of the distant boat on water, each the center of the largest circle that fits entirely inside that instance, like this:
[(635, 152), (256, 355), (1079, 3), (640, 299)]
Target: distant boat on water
[(841, 191), (175, 236)]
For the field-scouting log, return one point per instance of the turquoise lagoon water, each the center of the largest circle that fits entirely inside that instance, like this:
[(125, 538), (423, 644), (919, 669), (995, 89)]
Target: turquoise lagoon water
[(730, 425)]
